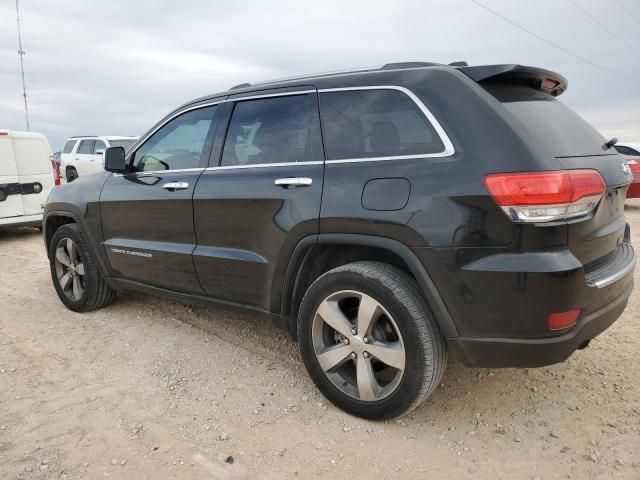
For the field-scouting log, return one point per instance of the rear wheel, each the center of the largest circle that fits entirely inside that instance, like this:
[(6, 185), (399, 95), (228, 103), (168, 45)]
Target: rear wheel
[(369, 342), (75, 273)]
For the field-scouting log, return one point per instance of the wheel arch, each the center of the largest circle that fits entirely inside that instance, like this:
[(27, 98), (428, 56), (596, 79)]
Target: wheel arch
[(305, 266), (54, 219)]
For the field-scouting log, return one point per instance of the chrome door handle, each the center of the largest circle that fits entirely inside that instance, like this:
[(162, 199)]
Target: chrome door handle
[(293, 182), (173, 186)]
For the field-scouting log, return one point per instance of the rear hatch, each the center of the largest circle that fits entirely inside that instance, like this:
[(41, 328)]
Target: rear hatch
[(575, 144), (10, 202)]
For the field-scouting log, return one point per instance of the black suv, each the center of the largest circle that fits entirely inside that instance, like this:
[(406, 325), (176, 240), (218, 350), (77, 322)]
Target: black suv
[(381, 216)]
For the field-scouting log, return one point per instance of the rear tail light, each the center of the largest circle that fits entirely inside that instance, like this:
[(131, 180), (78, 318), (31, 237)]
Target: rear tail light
[(56, 173), (560, 321), (546, 196)]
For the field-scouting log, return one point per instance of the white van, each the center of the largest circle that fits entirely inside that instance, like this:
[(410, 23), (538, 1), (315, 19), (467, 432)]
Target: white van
[(27, 175)]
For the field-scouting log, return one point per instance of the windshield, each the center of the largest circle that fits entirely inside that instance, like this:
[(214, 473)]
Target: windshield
[(126, 143), (563, 131)]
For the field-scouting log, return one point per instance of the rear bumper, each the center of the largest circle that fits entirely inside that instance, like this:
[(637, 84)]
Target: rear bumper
[(501, 302), (537, 352)]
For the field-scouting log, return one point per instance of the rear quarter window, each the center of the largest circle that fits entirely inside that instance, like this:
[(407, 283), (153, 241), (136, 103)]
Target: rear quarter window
[(68, 147), (375, 123)]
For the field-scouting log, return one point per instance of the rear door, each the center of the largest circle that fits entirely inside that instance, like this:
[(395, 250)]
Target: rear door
[(10, 201), (260, 197), (84, 156), (147, 215), (33, 160)]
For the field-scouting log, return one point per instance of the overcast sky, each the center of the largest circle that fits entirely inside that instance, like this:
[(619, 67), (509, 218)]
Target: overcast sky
[(115, 67)]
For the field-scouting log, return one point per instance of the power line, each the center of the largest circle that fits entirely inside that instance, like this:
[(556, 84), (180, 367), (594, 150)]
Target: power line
[(628, 10), (613, 34), (21, 54), (557, 47)]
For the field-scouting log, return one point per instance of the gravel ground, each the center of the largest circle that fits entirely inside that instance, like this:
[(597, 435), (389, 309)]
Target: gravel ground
[(150, 388)]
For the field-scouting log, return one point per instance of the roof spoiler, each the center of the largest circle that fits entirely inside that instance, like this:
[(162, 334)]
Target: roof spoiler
[(537, 78)]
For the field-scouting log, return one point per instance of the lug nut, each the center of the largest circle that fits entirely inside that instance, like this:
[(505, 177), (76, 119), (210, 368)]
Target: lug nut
[(365, 339), (353, 355), (365, 354), (346, 341), (354, 331)]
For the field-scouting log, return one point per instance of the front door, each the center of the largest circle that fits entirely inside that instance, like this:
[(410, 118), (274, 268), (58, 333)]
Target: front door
[(147, 215), (261, 195)]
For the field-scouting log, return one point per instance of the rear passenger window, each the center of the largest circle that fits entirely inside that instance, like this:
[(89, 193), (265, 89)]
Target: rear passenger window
[(374, 124), (68, 147), (99, 145), (269, 130), (86, 146)]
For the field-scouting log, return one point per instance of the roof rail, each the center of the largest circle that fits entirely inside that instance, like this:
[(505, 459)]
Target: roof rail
[(388, 66), (401, 65), (240, 85)]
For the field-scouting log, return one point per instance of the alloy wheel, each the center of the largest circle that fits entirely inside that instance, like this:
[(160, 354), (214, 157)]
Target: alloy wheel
[(358, 345), (70, 269)]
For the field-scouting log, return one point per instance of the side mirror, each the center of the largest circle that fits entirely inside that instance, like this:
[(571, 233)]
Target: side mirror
[(114, 160), (99, 152)]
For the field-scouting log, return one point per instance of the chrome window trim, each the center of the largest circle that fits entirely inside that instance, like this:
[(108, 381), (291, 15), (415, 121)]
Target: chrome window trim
[(447, 152), (264, 165), (142, 140), (448, 146), (158, 172), (268, 95)]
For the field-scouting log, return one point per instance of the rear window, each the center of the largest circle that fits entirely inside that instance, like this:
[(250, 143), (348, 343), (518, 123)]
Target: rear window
[(68, 147), (563, 132), (375, 124), (86, 146)]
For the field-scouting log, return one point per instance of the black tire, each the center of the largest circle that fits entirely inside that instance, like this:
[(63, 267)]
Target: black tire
[(72, 175), (425, 347), (97, 293)]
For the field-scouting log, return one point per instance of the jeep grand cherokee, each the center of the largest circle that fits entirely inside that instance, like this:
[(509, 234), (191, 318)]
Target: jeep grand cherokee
[(383, 217)]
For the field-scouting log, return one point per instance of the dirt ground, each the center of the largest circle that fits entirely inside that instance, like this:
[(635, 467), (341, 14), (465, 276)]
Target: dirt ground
[(153, 389)]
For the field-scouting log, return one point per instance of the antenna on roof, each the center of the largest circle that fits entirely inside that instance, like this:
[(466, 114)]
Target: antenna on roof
[(21, 54)]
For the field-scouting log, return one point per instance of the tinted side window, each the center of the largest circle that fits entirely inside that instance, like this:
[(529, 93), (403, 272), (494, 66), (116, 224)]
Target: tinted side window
[(86, 146), (633, 152), (183, 142), (375, 123), (99, 145), (269, 130), (68, 147)]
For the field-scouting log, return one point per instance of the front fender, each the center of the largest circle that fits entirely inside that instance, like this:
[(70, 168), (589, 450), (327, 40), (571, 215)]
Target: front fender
[(80, 202)]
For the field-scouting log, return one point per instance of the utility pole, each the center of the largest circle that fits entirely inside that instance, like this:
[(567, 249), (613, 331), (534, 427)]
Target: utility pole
[(21, 54)]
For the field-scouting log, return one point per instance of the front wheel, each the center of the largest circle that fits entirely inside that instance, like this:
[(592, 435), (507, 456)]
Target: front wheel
[(369, 341), (75, 273)]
